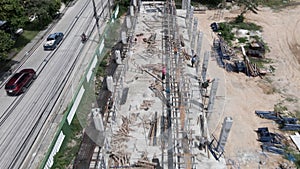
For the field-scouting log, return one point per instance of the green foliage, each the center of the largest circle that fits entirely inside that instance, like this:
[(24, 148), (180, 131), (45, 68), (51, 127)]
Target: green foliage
[(257, 38), (6, 44), (226, 28), (102, 66), (259, 61), (70, 145), (13, 12), (239, 19), (123, 6), (45, 11), (36, 6), (290, 99), (23, 39), (297, 114), (279, 108), (210, 3), (225, 31), (248, 5), (53, 7), (248, 26), (67, 1), (43, 20), (272, 68), (274, 3), (242, 40), (297, 157), (292, 152), (245, 25), (16, 14)]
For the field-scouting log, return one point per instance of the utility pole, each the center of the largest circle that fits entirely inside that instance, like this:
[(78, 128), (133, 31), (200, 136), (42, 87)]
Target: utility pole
[(97, 18)]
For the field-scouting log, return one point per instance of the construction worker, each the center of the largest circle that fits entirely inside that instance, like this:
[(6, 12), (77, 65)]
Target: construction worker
[(193, 60), (175, 51), (163, 72), (206, 84)]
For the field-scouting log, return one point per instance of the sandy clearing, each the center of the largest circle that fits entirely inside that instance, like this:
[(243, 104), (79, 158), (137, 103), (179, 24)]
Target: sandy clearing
[(240, 96)]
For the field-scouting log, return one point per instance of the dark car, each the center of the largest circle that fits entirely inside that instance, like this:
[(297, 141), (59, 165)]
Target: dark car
[(20, 81), (53, 40)]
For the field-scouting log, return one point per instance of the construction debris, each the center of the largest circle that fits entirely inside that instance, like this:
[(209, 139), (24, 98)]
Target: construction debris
[(118, 160), (271, 142), (146, 104), (228, 59), (146, 164), (285, 123), (151, 39), (265, 136), (186, 55)]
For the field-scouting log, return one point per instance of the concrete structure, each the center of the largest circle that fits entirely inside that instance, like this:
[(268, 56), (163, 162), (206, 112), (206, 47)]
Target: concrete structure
[(224, 133), (159, 122)]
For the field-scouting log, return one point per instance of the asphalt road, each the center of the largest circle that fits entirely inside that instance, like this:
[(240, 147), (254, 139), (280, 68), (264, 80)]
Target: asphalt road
[(23, 117)]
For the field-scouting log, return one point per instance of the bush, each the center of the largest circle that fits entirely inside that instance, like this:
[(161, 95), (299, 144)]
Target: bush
[(225, 30), (123, 6), (242, 40), (6, 44), (211, 3), (239, 19)]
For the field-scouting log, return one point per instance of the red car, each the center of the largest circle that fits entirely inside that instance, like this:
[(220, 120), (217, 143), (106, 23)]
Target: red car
[(20, 81)]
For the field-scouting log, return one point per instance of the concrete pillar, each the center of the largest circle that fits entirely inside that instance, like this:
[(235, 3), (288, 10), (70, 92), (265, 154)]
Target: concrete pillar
[(199, 43), (131, 10), (188, 12), (128, 22), (205, 65), (188, 4), (191, 17), (183, 4), (110, 83), (212, 96), (97, 117), (118, 57), (194, 33), (224, 133), (123, 37), (134, 2)]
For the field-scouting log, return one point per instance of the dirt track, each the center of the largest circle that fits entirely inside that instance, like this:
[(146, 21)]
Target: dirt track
[(242, 95)]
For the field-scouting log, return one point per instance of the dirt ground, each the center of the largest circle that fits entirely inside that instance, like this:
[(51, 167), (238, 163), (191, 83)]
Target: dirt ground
[(242, 95)]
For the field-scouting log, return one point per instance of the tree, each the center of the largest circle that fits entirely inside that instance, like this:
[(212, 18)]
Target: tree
[(248, 5), (44, 10), (210, 3), (36, 6), (13, 12), (6, 44), (43, 19)]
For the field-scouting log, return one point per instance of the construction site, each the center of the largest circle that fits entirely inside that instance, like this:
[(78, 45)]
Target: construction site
[(170, 100), (160, 96)]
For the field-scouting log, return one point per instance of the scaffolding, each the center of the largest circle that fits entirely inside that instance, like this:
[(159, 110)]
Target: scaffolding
[(179, 147), (176, 139)]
